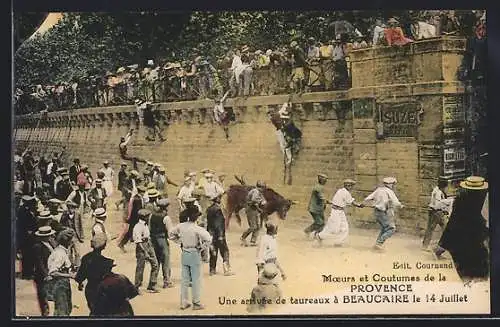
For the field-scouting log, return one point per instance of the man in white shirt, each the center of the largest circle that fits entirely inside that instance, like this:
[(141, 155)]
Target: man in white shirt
[(144, 252), (211, 187), (337, 227), (439, 207), (192, 239), (184, 193), (109, 175), (384, 202), (378, 33)]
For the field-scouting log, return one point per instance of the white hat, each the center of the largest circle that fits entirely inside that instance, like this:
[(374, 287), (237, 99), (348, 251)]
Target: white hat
[(45, 231), (349, 181), (269, 51), (150, 62), (192, 174), (209, 175), (390, 180), (100, 213)]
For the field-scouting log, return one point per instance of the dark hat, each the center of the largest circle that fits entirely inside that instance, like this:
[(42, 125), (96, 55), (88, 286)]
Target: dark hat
[(163, 203), (271, 228), (218, 196), (189, 200), (55, 202), (76, 159), (98, 181)]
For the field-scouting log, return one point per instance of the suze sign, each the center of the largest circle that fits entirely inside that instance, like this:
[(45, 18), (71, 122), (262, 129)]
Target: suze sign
[(400, 120)]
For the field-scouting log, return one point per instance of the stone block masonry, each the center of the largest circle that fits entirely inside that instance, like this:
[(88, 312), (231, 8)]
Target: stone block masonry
[(390, 123)]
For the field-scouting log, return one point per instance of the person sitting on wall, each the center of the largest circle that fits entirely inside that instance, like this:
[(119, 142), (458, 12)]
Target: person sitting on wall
[(394, 34)]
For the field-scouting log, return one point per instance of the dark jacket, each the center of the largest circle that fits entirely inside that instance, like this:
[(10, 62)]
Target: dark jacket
[(156, 226), (113, 294), (41, 253), (95, 200), (63, 190), (216, 222), (465, 234), (74, 223), (93, 268)]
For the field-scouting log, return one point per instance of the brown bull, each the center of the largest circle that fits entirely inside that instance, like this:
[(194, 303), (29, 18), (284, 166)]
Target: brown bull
[(236, 200)]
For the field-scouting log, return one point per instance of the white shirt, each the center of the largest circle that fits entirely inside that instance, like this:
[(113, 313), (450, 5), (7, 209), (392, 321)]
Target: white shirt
[(58, 260), (342, 198), (140, 232), (49, 168), (190, 235), (98, 229), (378, 34), (109, 173), (57, 180), (185, 192), (236, 62), (212, 189), (438, 201), (384, 198), (424, 30), (268, 249), (167, 221)]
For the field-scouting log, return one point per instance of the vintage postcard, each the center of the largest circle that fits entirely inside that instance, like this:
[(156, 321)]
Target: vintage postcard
[(236, 163)]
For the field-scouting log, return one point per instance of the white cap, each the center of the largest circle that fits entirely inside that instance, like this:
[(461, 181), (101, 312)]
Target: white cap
[(390, 180)]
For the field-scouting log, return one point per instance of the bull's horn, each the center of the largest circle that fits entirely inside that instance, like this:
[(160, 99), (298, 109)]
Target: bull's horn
[(294, 202)]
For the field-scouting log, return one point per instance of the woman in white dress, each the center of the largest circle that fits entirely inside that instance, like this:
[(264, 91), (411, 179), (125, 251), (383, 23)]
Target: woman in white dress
[(337, 227)]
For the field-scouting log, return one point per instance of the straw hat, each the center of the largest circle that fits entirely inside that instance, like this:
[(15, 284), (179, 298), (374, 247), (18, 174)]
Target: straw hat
[(100, 213), (270, 272), (205, 170), (323, 176), (141, 188), (209, 175), (389, 180), (106, 162), (151, 186), (45, 214), (349, 181), (153, 193), (45, 231), (163, 203), (474, 183)]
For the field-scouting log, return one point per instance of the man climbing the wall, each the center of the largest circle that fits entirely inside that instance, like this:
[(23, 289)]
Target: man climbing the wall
[(124, 140)]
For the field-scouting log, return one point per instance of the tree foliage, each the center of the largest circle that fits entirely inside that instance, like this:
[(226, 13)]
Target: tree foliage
[(84, 44)]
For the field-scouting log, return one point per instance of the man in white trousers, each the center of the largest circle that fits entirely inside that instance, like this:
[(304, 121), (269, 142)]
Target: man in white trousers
[(337, 227)]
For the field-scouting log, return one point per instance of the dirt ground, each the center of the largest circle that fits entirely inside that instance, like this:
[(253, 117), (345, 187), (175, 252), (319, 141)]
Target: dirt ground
[(304, 264)]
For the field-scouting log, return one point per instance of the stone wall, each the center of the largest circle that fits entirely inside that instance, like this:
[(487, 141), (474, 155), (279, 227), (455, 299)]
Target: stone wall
[(404, 88)]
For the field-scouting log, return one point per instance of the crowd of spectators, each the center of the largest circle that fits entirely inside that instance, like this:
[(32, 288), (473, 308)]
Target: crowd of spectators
[(303, 66)]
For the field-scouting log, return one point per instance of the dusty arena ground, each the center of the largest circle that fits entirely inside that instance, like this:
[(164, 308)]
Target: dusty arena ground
[(304, 264)]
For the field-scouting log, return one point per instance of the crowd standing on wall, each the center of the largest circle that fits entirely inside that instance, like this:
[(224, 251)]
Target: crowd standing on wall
[(315, 65)]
